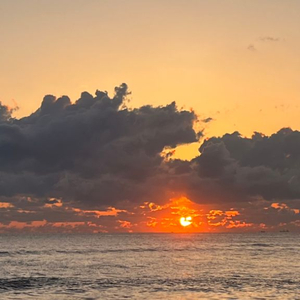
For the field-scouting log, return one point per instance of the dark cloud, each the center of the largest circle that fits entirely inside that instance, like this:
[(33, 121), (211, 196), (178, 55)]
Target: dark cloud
[(268, 167), (96, 153), (5, 113), (207, 120)]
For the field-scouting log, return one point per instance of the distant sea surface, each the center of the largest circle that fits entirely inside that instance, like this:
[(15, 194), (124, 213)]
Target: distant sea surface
[(150, 266)]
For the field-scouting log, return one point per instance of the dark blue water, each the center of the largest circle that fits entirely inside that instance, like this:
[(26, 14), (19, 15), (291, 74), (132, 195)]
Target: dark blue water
[(150, 266)]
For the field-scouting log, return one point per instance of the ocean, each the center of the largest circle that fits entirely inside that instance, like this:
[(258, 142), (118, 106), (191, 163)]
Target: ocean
[(150, 266)]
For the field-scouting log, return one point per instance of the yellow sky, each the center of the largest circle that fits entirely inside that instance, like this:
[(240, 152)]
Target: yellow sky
[(235, 61)]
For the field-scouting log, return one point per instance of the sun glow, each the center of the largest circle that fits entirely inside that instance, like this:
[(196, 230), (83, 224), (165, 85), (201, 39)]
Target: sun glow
[(185, 221)]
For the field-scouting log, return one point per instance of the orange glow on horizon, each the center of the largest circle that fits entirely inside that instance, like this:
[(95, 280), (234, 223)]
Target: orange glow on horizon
[(178, 215)]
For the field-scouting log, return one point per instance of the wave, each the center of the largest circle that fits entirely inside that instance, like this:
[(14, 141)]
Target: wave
[(89, 251), (197, 284), (21, 283), (261, 245)]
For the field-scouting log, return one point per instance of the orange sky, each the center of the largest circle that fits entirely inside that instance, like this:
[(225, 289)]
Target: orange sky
[(149, 217), (234, 61)]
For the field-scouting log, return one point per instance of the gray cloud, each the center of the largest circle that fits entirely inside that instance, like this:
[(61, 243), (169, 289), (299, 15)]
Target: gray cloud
[(96, 153), (207, 120), (5, 113), (263, 166)]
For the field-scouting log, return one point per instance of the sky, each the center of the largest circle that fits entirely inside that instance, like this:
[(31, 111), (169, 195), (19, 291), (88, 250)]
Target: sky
[(203, 121)]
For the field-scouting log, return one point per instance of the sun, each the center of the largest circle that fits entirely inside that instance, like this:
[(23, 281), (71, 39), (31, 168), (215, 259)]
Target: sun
[(185, 221)]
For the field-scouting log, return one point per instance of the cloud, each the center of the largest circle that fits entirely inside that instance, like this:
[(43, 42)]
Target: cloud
[(5, 113), (259, 166), (207, 120), (96, 162), (266, 39), (94, 151), (269, 39), (251, 48)]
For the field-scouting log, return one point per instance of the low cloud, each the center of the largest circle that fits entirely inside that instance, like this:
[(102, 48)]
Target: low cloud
[(260, 166), (94, 151), (96, 160)]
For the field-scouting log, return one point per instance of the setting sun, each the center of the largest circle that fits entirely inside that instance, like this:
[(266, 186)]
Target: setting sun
[(185, 221)]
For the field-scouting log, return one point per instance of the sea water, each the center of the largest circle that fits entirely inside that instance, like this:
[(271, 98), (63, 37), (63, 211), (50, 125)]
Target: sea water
[(150, 266)]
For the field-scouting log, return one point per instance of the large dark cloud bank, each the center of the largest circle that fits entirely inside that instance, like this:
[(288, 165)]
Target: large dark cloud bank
[(96, 153)]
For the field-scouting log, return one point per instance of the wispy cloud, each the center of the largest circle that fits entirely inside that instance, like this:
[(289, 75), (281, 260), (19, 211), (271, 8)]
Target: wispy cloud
[(264, 39), (251, 47), (269, 39), (207, 120)]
